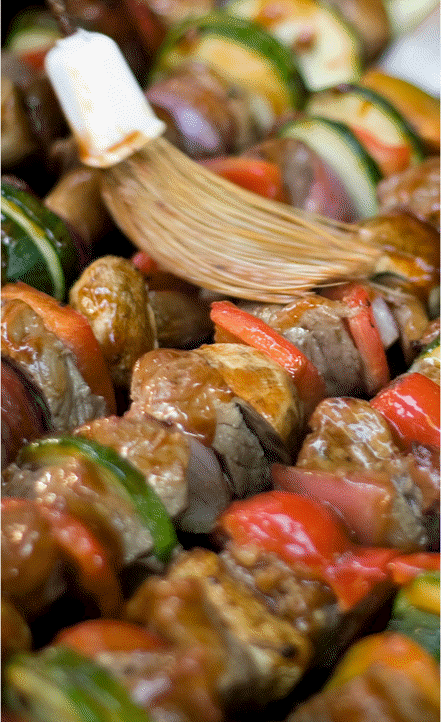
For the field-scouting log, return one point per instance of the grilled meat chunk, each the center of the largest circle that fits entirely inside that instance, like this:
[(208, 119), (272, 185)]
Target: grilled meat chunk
[(416, 190), (316, 325), (275, 653), (264, 384), (182, 388), (50, 364), (349, 437), (184, 473)]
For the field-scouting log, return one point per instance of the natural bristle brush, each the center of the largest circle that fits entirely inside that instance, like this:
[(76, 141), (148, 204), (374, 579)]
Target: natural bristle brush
[(194, 223)]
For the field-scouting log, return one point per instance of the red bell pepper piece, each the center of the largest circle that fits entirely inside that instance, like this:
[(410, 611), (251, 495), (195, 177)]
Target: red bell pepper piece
[(90, 558), (406, 567), (109, 635), (305, 534), (144, 263), (391, 159), (260, 176), (365, 334), (411, 406), (254, 332)]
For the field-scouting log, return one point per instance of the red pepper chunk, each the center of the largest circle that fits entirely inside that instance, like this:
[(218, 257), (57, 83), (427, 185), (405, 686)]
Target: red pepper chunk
[(81, 548), (305, 533), (411, 405), (259, 176), (365, 334), (254, 332), (109, 635), (406, 567)]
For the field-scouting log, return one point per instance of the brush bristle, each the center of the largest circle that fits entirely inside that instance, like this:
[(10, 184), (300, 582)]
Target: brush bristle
[(219, 236)]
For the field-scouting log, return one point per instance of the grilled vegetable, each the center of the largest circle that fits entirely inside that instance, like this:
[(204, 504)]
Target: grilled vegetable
[(31, 34), (407, 567), (31, 120), (326, 47), (258, 176), (339, 147), (108, 635), (37, 247), (415, 190), (419, 108), (370, 19), (59, 683), (116, 475), (308, 182), (380, 128), (411, 247), (411, 405), (243, 53), (17, 140), (241, 326), (182, 320), (427, 362), (383, 676), (305, 534), (41, 548), (16, 634), (76, 198), (153, 18), (364, 330)]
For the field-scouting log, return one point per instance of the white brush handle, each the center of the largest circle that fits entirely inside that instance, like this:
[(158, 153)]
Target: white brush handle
[(101, 98)]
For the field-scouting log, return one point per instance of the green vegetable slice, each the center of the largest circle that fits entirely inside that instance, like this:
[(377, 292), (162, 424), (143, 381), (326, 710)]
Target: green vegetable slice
[(341, 150), (116, 473), (277, 62), (59, 684), (360, 107), (330, 56), (37, 246), (32, 29)]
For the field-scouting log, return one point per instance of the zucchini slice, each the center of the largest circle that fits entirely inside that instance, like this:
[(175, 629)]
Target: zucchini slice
[(37, 246), (58, 683), (32, 32), (406, 15), (327, 49), (381, 129), (115, 473), (243, 53), (339, 147)]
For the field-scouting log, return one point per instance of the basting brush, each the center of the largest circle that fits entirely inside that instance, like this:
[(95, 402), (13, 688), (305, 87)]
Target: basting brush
[(194, 223)]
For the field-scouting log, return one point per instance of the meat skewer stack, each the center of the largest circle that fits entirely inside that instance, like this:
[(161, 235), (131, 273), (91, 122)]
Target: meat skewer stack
[(236, 510)]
